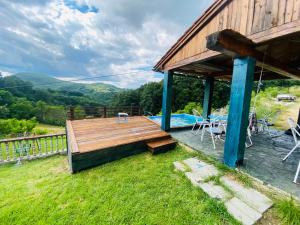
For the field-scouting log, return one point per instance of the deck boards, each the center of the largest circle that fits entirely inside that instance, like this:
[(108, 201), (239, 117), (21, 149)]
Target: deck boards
[(92, 142), (101, 133)]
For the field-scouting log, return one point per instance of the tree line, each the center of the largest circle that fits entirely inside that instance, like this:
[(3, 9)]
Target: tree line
[(20, 100)]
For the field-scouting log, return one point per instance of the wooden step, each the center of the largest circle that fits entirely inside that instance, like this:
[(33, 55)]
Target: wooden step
[(161, 145)]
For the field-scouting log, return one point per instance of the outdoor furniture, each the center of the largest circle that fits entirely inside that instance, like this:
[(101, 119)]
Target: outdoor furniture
[(296, 136), (266, 122), (287, 97), (200, 121), (216, 127), (122, 117)]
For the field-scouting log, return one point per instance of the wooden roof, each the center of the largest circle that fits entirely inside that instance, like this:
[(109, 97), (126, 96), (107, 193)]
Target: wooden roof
[(273, 25)]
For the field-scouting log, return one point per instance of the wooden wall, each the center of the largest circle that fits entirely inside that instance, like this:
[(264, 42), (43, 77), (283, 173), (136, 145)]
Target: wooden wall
[(248, 17)]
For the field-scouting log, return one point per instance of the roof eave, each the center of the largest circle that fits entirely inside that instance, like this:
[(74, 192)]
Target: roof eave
[(198, 24)]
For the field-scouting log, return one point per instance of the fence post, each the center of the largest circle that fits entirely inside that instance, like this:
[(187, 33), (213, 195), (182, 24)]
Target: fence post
[(71, 113), (104, 111)]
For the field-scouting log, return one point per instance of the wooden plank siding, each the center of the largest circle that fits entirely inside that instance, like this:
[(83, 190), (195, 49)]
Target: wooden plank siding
[(252, 18)]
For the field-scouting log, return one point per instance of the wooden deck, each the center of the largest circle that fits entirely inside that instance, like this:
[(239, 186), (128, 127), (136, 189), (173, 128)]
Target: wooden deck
[(96, 141)]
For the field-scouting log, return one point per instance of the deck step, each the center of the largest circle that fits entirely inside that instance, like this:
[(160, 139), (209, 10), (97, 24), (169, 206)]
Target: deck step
[(161, 145)]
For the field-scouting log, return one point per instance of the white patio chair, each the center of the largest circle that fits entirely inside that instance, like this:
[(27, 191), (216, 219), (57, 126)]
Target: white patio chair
[(200, 121), (216, 128), (296, 135), (266, 122)]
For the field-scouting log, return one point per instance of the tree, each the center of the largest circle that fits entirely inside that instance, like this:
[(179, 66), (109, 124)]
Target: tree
[(22, 109), (151, 97), (6, 98)]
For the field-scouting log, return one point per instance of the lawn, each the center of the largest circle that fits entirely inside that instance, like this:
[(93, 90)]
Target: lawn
[(50, 129), (141, 189)]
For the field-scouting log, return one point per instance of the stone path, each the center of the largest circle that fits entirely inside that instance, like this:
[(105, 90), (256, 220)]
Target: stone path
[(244, 204), (263, 160)]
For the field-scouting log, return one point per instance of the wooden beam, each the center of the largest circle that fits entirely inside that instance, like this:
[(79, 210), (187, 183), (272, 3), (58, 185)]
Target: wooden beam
[(167, 100), (208, 94), (234, 44), (241, 88)]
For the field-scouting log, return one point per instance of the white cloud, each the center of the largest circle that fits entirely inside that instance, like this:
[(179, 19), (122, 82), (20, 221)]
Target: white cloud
[(124, 36)]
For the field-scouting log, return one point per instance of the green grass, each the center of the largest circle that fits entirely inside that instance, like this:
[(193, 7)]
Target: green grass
[(141, 189), (288, 211), (51, 129)]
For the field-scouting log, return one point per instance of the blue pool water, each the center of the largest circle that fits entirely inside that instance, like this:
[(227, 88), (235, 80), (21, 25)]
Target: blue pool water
[(177, 120)]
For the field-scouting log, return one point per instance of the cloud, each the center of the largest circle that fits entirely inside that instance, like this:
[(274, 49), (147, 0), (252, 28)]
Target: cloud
[(87, 38)]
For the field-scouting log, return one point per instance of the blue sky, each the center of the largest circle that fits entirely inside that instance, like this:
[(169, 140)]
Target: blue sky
[(72, 39)]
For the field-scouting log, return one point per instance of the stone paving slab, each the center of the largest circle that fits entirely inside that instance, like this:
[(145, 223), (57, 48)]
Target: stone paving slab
[(242, 212), (206, 172), (194, 163), (191, 176), (179, 166), (215, 191), (251, 197)]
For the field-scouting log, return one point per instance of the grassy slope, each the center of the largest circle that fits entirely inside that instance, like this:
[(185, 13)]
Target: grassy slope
[(51, 129), (290, 110), (142, 189)]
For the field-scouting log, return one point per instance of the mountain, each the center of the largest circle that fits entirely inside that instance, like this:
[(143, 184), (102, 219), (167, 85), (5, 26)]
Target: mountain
[(43, 81), (100, 92)]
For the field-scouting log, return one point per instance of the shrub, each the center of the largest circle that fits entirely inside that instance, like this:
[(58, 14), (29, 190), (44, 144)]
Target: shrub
[(40, 131), (189, 108), (14, 126)]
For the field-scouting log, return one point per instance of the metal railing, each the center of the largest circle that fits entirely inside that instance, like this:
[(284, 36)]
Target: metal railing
[(27, 148), (75, 113)]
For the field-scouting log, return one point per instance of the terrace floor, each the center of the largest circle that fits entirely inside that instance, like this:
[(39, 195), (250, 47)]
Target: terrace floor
[(262, 160)]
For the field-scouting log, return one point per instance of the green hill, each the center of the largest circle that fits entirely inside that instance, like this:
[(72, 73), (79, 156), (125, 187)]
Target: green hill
[(43, 81), (100, 92)]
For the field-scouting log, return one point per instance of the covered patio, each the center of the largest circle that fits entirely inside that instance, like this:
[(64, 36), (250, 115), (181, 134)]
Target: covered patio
[(240, 42), (263, 160)]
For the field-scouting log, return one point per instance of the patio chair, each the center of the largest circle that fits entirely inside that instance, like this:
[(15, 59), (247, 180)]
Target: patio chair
[(266, 122), (296, 135), (216, 127), (122, 117), (200, 121)]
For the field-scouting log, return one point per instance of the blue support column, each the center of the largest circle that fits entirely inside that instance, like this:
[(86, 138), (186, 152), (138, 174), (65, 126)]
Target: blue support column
[(167, 100), (208, 94), (238, 118)]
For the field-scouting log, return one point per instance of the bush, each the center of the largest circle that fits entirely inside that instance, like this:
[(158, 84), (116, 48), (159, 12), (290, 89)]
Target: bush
[(40, 131), (14, 126), (189, 108)]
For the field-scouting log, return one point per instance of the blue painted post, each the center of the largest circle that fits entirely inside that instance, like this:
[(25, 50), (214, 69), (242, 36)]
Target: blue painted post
[(208, 94), (238, 118), (167, 100)]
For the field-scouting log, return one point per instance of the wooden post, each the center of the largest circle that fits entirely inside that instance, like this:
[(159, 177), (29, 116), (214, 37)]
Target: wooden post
[(238, 118), (208, 94), (167, 100), (71, 113), (104, 111), (131, 110)]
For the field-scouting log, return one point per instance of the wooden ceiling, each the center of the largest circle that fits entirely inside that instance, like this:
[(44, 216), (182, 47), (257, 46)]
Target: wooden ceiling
[(275, 33)]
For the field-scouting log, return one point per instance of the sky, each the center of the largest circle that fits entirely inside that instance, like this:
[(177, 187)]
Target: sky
[(74, 39)]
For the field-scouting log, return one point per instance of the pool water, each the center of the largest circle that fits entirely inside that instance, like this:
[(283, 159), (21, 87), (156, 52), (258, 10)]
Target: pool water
[(177, 120)]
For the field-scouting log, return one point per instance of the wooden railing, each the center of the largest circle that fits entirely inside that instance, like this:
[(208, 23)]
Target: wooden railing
[(17, 149), (75, 113)]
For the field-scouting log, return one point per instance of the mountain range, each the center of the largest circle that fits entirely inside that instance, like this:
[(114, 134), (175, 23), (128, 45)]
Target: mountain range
[(44, 81)]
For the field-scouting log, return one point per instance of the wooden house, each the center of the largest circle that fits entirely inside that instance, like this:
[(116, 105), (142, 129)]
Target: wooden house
[(235, 40)]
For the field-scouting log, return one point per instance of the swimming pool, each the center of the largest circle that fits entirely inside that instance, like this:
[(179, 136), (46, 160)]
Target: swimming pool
[(177, 120)]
